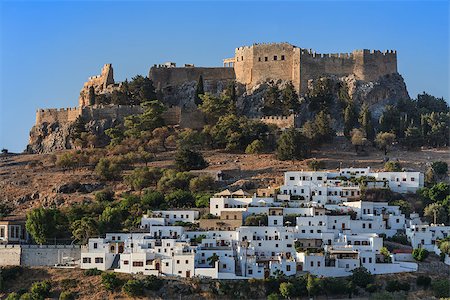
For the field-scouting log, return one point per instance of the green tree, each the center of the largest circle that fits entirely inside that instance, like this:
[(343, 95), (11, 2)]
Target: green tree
[(111, 219), (324, 129), (152, 199), (172, 180), (256, 220), (436, 213), (392, 166), (316, 164), (41, 289), (350, 119), (390, 120), (201, 183), (212, 259), (186, 160), (107, 169), (358, 139), (440, 168), (384, 140), (413, 137), (66, 161), (133, 288), (420, 254), (286, 289), (215, 107), (67, 295), (312, 285), (110, 281), (199, 91), (151, 118), (290, 100), (255, 147), (292, 145), (140, 178), (180, 199), (83, 229), (272, 104), (43, 224), (365, 119), (140, 90), (362, 277)]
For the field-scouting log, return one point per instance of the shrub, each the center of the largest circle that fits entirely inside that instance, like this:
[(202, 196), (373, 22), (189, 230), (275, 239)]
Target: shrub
[(106, 195), (152, 199), (92, 272), (316, 164), (362, 277), (440, 167), (441, 288), (256, 220), (153, 283), (107, 169), (180, 199), (110, 281), (186, 160), (67, 295), (273, 296), (372, 287), (202, 200), (392, 166), (424, 281), (133, 288), (420, 254), (201, 184), (41, 289), (254, 147), (395, 286), (13, 296), (69, 282)]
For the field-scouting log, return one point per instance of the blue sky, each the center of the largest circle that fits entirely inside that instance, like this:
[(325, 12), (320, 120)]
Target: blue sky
[(48, 49)]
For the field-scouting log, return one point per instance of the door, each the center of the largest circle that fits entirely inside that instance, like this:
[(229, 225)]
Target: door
[(188, 274)]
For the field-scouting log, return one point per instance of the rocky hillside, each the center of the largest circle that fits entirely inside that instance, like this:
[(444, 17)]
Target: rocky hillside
[(49, 137)]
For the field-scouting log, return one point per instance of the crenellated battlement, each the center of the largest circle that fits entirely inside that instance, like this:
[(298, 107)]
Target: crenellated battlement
[(57, 115)]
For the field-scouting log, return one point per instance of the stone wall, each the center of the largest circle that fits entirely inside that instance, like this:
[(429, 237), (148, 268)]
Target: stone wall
[(101, 84), (36, 255), (10, 255), (163, 77), (54, 115), (282, 61), (282, 122)]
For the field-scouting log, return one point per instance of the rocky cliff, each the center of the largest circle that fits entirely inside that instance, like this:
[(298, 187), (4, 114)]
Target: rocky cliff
[(50, 137)]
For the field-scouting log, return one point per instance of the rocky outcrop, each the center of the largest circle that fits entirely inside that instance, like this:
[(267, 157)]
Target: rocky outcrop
[(50, 137)]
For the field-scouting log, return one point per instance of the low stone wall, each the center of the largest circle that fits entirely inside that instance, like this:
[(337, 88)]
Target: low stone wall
[(37, 255), (10, 255)]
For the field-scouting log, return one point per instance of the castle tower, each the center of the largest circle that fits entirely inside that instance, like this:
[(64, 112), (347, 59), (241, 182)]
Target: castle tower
[(98, 82)]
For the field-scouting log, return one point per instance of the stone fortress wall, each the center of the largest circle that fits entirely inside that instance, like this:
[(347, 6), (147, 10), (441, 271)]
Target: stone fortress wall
[(164, 76), (282, 122), (262, 62), (54, 115)]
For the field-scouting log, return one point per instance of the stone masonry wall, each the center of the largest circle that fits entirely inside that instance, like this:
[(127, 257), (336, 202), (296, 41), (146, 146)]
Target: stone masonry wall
[(54, 115), (282, 61), (163, 77)]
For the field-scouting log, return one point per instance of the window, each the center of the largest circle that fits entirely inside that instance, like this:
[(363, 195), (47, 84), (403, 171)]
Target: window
[(275, 222), (95, 245), (288, 268), (217, 206), (292, 178), (126, 262), (370, 260), (138, 263), (266, 58), (86, 260), (250, 272), (319, 177), (318, 263), (412, 179), (113, 238), (187, 261), (282, 57), (364, 225), (275, 57), (276, 245), (224, 266), (312, 264), (167, 264), (397, 220), (242, 58), (370, 225), (178, 262), (118, 238), (2, 232), (364, 260), (259, 58), (99, 260)]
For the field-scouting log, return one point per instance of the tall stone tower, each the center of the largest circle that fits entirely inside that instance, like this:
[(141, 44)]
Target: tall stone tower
[(98, 82)]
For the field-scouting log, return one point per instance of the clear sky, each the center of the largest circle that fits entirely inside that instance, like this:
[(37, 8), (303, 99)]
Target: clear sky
[(48, 49)]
